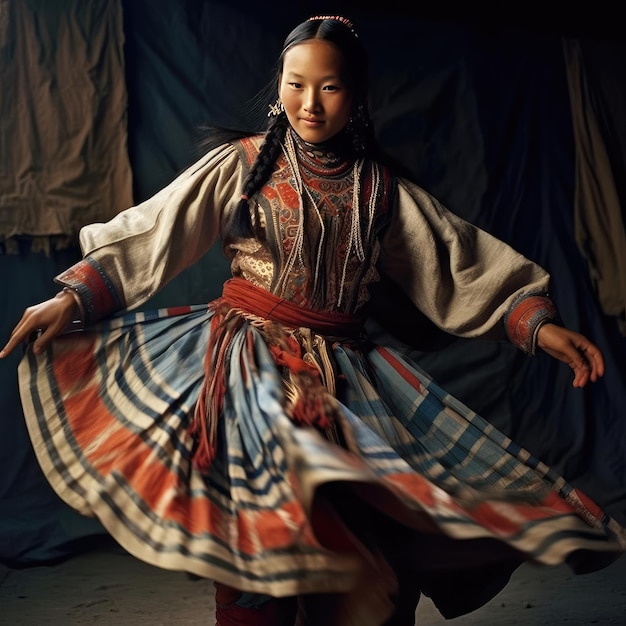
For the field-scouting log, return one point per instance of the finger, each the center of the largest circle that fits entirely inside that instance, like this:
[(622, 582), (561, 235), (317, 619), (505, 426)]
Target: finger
[(581, 378), (27, 330), (584, 368), (43, 338), (597, 362), (35, 339), (17, 336), (594, 361), (578, 380)]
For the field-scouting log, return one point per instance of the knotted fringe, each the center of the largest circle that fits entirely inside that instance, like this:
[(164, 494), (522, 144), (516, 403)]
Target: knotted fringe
[(223, 327), (309, 378), (305, 391)]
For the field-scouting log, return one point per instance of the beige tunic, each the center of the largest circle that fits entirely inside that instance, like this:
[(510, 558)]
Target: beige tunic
[(461, 277)]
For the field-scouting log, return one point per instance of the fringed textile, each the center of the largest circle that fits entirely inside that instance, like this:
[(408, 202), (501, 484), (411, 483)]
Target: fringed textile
[(310, 382)]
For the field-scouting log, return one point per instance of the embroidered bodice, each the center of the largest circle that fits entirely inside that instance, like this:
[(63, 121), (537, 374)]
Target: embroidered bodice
[(319, 218)]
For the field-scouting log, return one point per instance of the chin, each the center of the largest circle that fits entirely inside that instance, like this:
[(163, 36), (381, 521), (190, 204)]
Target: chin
[(309, 137), (314, 137)]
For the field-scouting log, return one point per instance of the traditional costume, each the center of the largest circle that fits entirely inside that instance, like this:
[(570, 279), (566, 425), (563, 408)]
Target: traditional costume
[(263, 440)]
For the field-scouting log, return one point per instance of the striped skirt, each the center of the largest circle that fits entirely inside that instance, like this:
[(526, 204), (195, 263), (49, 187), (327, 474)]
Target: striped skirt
[(415, 476)]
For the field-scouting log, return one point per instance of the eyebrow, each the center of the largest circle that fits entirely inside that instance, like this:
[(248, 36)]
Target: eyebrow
[(292, 74)]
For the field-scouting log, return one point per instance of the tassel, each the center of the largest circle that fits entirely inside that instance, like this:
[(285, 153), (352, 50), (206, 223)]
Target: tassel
[(211, 398), (311, 402), (310, 408)]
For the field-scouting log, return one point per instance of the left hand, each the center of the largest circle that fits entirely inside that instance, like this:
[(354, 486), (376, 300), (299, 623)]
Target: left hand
[(574, 349)]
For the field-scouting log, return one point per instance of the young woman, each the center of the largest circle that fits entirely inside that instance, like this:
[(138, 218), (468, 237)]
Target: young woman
[(264, 441)]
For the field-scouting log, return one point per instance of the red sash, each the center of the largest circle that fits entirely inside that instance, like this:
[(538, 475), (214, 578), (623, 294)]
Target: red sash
[(241, 294)]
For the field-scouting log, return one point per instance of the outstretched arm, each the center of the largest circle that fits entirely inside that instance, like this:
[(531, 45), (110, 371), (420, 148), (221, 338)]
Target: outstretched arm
[(126, 260), (574, 349)]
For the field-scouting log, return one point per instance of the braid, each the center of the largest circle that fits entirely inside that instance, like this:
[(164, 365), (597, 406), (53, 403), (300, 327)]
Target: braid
[(264, 163), (358, 138), (260, 171)]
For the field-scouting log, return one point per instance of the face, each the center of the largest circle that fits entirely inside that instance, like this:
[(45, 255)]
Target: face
[(313, 90)]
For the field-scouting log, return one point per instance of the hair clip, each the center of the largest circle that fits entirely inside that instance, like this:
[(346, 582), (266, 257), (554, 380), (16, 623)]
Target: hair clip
[(275, 109)]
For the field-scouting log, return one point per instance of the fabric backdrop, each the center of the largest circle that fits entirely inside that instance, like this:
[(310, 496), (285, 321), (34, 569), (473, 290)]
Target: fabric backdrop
[(480, 117), (63, 156)]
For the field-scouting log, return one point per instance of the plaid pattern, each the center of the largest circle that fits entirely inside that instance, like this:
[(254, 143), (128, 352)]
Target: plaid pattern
[(109, 409)]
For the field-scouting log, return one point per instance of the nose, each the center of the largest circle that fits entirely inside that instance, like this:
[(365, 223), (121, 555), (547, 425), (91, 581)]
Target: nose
[(311, 101)]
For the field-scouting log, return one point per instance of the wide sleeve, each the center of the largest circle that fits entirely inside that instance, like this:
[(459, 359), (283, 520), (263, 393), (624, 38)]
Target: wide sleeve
[(128, 259), (466, 281)]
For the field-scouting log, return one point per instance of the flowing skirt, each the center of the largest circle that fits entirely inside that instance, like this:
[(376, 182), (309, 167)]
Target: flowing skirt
[(416, 476)]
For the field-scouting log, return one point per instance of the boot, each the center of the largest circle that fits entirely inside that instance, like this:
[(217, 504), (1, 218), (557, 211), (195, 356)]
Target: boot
[(268, 612)]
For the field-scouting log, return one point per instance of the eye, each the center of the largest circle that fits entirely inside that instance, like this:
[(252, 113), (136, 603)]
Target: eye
[(331, 88), (295, 85)]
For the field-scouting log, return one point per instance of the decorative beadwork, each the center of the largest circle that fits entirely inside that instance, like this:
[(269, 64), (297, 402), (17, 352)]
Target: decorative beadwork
[(355, 240), (339, 18)]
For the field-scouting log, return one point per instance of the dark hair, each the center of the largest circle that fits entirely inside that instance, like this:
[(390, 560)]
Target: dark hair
[(359, 131), (340, 32)]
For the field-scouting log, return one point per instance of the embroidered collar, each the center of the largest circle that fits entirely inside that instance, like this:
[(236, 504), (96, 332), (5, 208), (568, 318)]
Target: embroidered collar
[(323, 159)]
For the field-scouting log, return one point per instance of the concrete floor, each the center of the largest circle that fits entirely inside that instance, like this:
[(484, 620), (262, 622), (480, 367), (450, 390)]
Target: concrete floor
[(108, 586)]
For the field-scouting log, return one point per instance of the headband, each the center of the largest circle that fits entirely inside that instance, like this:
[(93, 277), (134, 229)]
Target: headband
[(344, 20)]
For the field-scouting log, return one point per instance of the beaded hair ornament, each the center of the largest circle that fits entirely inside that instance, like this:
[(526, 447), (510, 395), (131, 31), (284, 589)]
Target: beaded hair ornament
[(344, 20)]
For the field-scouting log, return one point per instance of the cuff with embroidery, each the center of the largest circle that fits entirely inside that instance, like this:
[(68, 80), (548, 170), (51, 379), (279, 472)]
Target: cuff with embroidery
[(93, 288), (525, 317)]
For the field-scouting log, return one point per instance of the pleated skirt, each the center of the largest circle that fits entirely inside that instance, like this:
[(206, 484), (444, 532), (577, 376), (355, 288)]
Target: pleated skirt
[(109, 409)]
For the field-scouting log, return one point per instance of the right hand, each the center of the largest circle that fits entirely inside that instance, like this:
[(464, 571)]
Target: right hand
[(572, 348), (46, 319)]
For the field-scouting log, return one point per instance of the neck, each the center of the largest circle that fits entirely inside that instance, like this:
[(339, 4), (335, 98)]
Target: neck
[(331, 154)]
